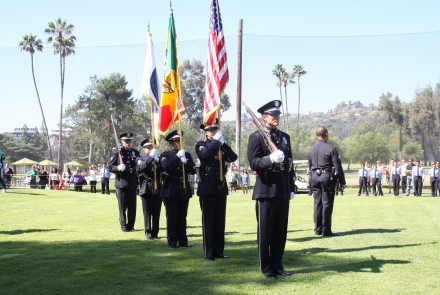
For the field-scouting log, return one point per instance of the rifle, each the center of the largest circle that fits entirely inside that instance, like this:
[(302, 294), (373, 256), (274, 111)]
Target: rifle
[(260, 126), (116, 141)]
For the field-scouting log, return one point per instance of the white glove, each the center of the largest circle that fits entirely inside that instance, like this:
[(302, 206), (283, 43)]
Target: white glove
[(219, 136), (153, 153), (121, 167), (292, 195), (156, 158), (277, 156), (181, 153), (183, 159)]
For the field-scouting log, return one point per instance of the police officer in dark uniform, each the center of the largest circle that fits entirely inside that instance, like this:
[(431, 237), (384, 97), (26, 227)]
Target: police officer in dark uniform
[(326, 168), (126, 181), (149, 191), (273, 190), (212, 191), (175, 197)]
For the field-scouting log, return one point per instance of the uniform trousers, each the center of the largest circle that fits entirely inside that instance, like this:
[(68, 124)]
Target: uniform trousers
[(151, 207), (213, 223), (272, 218), (377, 186), (176, 212), (396, 184), (417, 185), (105, 185), (324, 197), (433, 181), (127, 208), (363, 185), (93, 186), (403, 184)]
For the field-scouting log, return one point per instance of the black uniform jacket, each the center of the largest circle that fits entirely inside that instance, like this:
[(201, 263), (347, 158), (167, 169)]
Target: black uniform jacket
[(271, 180), (325, 156), (207, 151), (145, 166), (128, 178), (172, 180)]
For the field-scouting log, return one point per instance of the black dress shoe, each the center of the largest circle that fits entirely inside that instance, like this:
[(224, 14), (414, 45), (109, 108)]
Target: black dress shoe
[(150, 238), (330, 235), (186, 245), (270, 275), (156, 238), (282, 272), (173, 247), (124, 230), (222, 256), (318, 233), (209, 259)]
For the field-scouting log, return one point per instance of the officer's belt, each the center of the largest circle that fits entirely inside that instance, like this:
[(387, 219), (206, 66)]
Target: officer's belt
[(322, 171), (277, 167), (211, 170)]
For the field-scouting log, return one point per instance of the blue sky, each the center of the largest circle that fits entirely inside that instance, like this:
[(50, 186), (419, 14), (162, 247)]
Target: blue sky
[(351, 50)]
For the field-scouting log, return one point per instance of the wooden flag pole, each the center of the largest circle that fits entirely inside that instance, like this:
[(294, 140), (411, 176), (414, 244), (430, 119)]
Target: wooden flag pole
[(183, 165), (154, 146), (220, 156)]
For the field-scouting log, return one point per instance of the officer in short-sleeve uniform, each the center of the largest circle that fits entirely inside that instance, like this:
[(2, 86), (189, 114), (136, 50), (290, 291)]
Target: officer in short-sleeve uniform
[(212, 191), (273, 189), (149, 190), (175, 197), (326, 167), (126, 181)]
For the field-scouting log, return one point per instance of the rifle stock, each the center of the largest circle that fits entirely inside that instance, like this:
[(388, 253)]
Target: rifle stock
[(257, 123)]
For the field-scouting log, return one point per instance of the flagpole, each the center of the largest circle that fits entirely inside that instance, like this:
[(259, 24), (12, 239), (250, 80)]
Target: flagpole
[(154, 146), (220, 156), (183, 165)]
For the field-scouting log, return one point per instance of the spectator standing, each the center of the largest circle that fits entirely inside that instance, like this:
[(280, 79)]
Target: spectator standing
[(67, 174), (8, 175), (2, 182), (376, 176), (363, 174), (54, 178), (368, 180), (42, 178), (77, 180), (437, 165), (245, 181), (395, 174), (388, 176), (409, 176), (232, 179), (403, 176), (433, 179), (33, 173), (418, 173), (105, 179), (93, 181)]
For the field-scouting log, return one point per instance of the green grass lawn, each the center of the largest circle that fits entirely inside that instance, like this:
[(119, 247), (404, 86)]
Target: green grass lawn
[(59, 242)]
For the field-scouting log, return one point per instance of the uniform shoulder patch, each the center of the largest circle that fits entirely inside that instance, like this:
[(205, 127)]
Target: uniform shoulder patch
[(163, 158), (201, 147)]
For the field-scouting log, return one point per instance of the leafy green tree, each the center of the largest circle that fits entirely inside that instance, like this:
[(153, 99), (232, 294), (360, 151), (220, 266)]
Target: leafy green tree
[(287, 79), (367, 147), (192, 84), (30, 43), (298, 71), (63, 45)]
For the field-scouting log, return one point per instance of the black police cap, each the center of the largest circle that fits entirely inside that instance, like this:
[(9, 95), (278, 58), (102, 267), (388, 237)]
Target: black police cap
[(173, 136), (212, 127), (126, 136), (147, 142), (271, 108)]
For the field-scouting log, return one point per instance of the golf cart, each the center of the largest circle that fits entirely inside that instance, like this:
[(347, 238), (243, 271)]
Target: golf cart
[(301, 183)]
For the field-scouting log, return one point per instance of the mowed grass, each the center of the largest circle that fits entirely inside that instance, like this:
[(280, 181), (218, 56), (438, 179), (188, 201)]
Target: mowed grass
[(59, 242)]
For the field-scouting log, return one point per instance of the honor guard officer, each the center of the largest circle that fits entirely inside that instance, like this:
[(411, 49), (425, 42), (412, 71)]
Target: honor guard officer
[(175, 197), (325, 166), (273, 189), (126, 181), (149, 191), (212, 191)]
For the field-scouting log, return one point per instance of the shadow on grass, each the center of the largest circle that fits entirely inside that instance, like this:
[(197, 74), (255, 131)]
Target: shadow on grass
[(351, 232), (19, 231), (145, 267)]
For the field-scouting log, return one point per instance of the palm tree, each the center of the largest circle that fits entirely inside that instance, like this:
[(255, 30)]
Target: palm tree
[(298, 71), (30, 43), (287, 79), (63, 45), (278, 72)]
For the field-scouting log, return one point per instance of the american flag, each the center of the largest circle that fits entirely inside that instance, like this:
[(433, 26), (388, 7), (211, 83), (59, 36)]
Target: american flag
[(217, 74)]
